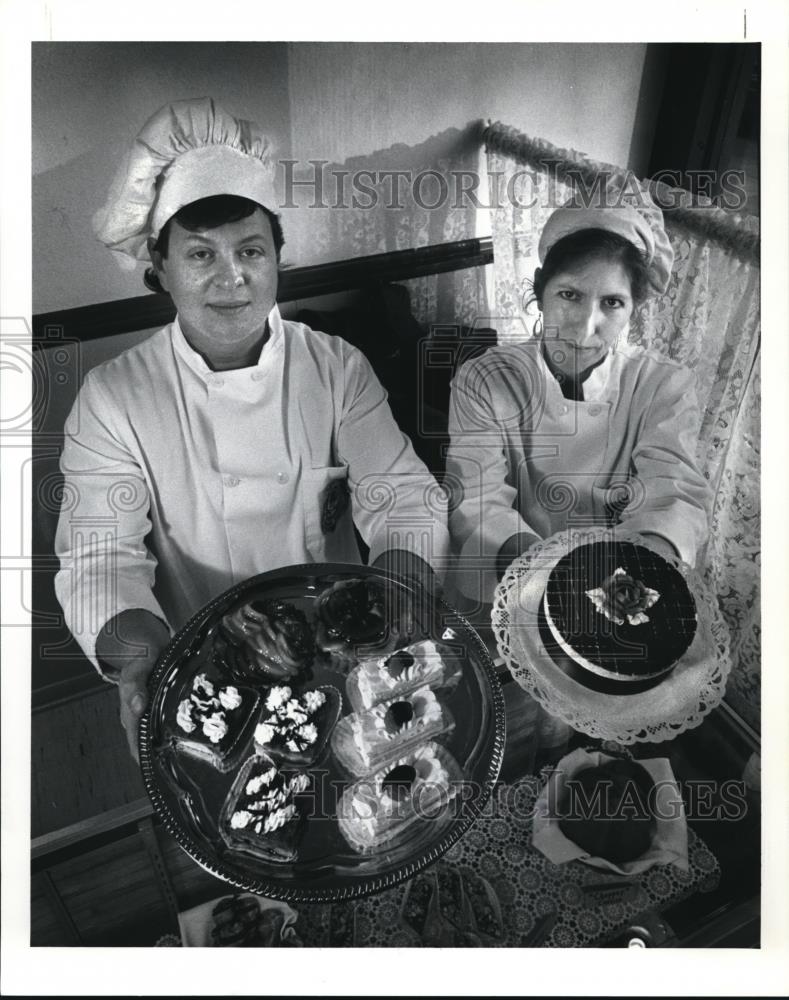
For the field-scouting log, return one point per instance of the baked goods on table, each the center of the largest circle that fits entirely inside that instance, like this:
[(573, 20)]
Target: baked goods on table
[(608, 810), (616, 616)]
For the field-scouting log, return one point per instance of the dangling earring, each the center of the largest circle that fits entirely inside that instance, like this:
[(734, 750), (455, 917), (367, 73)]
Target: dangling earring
[(622, 338), (537, 328)]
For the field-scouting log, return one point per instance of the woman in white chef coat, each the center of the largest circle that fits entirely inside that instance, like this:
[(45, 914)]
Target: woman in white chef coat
[(232, 441), (575, 427)]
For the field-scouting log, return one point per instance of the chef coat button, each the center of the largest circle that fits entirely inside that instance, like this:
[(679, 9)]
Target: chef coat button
[(565, 408), (594, 411), (232, 481), (257, 376), (282, 477)]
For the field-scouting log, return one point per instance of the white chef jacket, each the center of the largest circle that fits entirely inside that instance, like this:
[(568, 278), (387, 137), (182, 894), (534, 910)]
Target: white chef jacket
[(181, 482), (523, 458)]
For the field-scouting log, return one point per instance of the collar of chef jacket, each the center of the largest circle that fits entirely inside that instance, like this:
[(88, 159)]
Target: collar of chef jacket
[(198, 364), (596, 387)]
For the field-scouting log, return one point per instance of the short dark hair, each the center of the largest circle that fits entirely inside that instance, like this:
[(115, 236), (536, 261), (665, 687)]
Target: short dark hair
[(593, 244), (209, 213)]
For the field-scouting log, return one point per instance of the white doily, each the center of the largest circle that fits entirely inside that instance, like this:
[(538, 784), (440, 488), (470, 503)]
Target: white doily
[(680, 702)]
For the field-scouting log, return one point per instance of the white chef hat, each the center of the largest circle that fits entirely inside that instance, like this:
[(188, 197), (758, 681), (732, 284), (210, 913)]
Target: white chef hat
[(187, 150), (625, 208)]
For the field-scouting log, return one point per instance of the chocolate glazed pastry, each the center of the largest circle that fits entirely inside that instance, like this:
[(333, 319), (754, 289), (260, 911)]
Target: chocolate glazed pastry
[(240, 922), (273, 637), (607, 810), (235, 922), (351, 613)]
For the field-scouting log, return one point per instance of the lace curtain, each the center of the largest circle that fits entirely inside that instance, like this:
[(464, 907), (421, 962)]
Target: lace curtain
[(708, 320), (366, 210)]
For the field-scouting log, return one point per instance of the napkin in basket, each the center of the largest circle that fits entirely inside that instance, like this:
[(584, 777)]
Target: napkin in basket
[(669, 844)]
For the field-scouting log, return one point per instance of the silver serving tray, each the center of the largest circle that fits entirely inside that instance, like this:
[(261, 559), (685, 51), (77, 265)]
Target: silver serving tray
[(188, 794)]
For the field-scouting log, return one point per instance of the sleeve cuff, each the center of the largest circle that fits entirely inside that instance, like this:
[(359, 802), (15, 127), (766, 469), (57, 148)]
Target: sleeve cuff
[(475, 567), (681, 530), (87, 639)]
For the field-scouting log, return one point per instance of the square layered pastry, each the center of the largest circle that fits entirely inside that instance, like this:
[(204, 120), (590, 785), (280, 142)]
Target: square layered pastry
[(261, 815), (214, 720), (297, 727)]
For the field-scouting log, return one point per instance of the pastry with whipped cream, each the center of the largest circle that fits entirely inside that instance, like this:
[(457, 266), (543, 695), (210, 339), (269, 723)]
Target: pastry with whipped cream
[(297, 727), (404, 798), (213, 719), (401, 673), (364, 741), (272, 637), (261, 815)]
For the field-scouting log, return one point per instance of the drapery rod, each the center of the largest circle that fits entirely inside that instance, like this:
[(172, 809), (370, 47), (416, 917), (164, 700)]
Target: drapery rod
[(145, 312), (679, 206)]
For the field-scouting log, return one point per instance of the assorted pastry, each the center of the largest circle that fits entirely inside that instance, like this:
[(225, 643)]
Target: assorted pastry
[(351, 613), (605, 615), (451, 907), (254, 703)]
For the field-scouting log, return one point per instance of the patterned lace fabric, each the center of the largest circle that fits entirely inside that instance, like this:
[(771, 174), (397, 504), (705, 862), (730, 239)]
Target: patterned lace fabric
[(493, 889), (385, 215), (709, 320)]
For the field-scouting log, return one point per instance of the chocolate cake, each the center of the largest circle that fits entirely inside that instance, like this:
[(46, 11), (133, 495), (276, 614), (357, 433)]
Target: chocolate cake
[(616, 616), (607, 810)]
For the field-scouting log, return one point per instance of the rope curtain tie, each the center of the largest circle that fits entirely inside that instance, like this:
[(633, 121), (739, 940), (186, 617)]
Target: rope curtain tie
[(738, 234)]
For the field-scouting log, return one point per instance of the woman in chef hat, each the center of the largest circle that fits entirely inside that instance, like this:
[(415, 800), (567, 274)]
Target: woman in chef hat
[(232, 441), (576, 427)]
